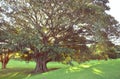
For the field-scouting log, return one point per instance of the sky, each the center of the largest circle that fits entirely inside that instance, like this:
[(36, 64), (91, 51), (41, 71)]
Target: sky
[(115, 11)]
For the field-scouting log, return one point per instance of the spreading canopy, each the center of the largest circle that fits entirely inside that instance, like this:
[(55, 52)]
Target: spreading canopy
[(51, 27)]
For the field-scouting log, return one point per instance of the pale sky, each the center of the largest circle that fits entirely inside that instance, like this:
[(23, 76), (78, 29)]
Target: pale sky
[(115, 12), (115, 9)]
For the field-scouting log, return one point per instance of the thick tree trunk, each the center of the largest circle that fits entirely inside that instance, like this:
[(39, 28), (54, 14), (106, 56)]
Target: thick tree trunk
[(39, 67), (41, 63)]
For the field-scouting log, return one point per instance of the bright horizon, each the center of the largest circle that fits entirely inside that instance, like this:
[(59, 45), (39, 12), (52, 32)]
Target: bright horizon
[(115, 12), (114, 9)]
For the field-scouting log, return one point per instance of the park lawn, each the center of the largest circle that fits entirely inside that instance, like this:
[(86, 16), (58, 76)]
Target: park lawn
[(22, 70), (89, 70)]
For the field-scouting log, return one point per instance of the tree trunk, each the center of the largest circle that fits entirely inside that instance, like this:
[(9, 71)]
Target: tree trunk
[(39, 67), (41, 63), (4, 64), (4, 60), (44, 65)]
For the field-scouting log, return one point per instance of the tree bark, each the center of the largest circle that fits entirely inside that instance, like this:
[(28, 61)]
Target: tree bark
[(44, 65), (41, 62), (4, 64), (4, 60), (38, 67), (45, 69), (41, 65)]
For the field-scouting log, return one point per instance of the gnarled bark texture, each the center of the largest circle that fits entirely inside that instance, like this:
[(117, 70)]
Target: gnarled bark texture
[(41, 63)]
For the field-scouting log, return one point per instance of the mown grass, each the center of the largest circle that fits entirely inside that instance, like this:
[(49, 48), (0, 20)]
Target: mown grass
[(20, 69), (89, 70)]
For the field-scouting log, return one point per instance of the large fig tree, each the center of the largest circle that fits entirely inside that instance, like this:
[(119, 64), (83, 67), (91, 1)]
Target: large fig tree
[(51, 27)]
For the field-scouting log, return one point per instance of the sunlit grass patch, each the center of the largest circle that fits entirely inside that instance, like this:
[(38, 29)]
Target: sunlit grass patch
[(97, 71)]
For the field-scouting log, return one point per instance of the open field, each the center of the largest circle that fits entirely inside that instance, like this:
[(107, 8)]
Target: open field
[(89, 70)]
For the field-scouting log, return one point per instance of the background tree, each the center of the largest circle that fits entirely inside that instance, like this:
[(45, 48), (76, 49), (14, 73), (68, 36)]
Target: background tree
[(5, 52)]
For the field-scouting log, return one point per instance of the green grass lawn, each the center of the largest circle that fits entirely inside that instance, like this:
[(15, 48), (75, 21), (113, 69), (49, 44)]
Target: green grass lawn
[(22, 70), (89, 70)]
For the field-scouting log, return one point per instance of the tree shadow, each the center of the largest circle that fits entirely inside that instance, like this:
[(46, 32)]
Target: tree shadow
[(15, 73), (19, 73)]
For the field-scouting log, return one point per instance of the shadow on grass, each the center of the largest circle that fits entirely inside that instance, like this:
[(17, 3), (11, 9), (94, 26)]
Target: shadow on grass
[(18, 73), (15, 73)]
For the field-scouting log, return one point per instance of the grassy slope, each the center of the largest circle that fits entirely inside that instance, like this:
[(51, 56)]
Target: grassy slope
[(90, 70)]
